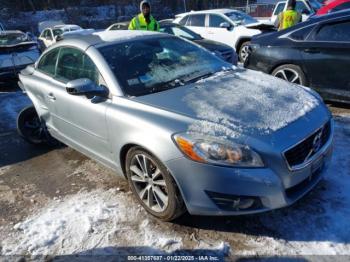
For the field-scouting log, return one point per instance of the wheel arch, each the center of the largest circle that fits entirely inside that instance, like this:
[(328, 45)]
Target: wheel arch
[(122, 158), (241, 41), (290, 63)]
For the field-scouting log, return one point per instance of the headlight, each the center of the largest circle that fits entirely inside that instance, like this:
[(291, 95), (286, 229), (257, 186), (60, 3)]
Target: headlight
[(217, 152)]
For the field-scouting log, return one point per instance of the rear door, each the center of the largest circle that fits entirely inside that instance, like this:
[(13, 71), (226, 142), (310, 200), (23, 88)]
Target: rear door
[(327, 59), (196, 23)]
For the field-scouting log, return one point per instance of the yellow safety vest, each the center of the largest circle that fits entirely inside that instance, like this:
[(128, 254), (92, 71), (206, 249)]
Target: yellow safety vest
[(288, 19), (139, 23)]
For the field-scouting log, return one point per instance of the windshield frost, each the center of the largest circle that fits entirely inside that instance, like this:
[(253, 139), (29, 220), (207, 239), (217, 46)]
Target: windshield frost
[(153, 65)]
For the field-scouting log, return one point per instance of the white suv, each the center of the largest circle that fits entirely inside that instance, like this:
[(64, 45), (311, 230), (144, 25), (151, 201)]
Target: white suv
[(229, 26)]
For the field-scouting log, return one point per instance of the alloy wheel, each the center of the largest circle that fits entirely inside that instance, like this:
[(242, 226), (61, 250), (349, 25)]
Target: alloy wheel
[(244, 53), (149, 183), (289, 75)]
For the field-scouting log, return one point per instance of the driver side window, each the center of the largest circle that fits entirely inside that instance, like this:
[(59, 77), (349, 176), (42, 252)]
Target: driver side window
[(74, 64)]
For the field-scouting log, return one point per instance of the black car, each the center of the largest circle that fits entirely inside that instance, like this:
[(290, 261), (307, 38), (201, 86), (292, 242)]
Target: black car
[(315, 53), (223, 51)]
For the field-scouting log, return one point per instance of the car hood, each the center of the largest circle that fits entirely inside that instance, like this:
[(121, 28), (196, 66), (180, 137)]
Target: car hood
[(212, 45), (239, 103)]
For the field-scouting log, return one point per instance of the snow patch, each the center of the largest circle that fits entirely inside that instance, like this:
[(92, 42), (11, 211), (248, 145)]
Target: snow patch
[(91, 222)]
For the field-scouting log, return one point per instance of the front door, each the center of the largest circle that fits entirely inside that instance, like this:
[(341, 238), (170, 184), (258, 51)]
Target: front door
[(217, 33), (76, 118)]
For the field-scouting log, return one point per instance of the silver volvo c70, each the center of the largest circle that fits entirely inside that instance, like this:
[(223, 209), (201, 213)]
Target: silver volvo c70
[(188, 130)]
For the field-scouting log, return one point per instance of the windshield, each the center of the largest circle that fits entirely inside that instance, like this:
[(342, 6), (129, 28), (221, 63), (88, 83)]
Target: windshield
[(12, 38), (240, 17), (180, 32), (153, 65)]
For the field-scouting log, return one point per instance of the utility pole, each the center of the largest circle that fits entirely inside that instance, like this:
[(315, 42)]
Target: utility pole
[(185, 5)]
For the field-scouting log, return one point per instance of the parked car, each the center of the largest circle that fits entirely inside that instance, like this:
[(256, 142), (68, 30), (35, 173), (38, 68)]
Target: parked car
[(49, 36), (187, 130), (334, 6), (315, 53), (221, 50), (16, 52), (227, 26), (306, 7)]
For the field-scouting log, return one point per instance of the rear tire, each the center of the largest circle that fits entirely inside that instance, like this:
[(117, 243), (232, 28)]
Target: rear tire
[(32, 129), (153, 185), (291, 73)]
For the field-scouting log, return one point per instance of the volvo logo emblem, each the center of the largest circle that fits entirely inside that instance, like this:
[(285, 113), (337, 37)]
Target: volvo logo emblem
[(316, 144)]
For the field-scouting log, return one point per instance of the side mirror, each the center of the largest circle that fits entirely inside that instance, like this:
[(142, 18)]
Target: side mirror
[(85, 86), (225, 25)]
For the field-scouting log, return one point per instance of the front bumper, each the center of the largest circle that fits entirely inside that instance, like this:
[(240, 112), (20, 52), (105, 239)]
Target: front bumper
[(204, 186)]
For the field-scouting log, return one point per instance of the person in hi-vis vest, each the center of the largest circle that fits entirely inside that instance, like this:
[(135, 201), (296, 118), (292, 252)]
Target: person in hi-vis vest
[(290, 17), (144, 21)]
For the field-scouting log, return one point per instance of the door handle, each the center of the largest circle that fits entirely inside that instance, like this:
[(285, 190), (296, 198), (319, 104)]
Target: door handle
[(312, 50), (51, 97)]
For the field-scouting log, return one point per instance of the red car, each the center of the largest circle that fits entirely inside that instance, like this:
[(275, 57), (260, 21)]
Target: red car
[(331, 6)]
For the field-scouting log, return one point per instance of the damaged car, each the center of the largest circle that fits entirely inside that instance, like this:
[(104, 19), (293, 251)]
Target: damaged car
[(17, 50), (188, 130)]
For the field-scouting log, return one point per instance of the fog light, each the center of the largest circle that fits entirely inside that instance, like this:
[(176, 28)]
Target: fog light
[(235, 203)]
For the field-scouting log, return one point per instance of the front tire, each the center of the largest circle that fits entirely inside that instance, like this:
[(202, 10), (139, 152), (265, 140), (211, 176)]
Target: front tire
[(291, 73), (153, 186), (244, 51)]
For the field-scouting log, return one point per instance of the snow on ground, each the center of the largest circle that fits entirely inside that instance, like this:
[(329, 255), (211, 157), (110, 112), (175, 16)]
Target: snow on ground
[(84, 222), (11, 104)]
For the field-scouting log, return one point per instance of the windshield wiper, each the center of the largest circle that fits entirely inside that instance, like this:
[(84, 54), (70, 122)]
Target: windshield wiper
[(167, 85)]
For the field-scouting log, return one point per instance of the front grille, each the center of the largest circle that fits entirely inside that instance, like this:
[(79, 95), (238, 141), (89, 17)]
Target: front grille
[(226, 55), (307, 148)]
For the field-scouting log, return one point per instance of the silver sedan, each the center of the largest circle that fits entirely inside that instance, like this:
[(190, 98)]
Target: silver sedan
[(188, 130)]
